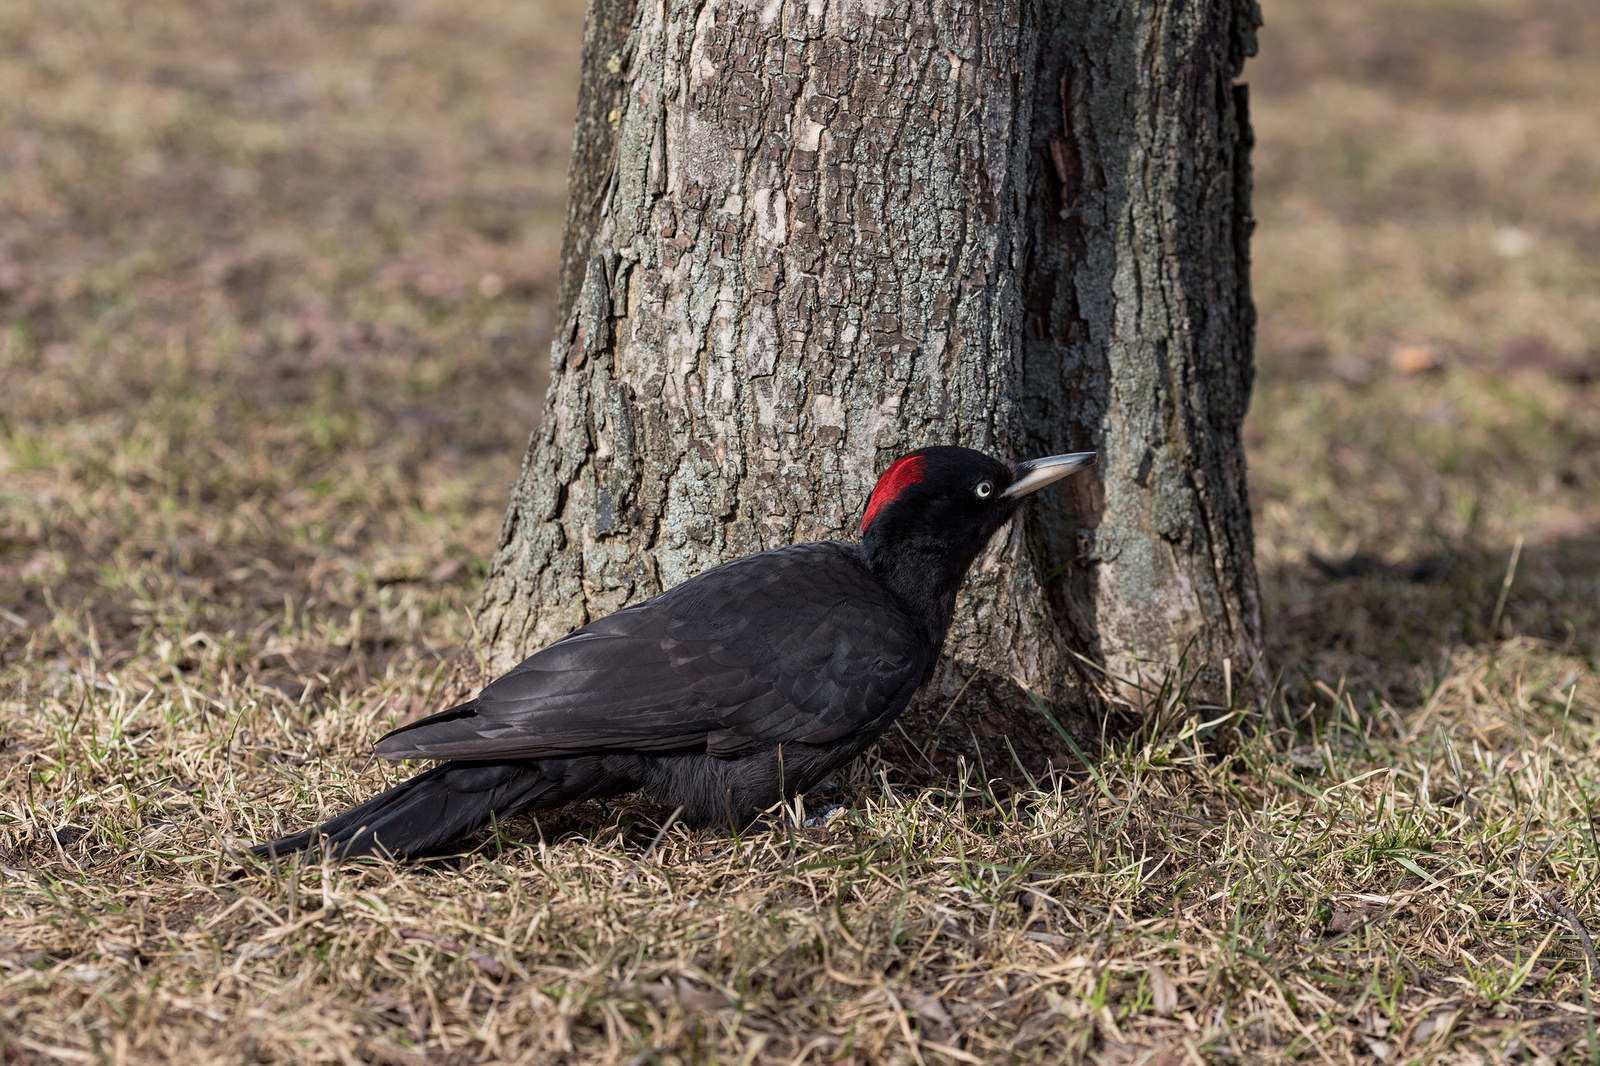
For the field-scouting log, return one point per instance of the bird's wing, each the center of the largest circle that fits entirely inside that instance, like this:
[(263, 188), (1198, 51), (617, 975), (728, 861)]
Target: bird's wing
[(795, 644)]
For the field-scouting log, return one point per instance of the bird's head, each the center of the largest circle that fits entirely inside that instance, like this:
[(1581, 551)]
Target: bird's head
[(933, 510)]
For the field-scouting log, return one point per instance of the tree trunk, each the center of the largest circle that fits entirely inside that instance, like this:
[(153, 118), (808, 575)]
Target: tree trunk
[(805, 237)]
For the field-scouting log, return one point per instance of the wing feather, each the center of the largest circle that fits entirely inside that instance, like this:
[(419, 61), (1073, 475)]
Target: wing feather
[(795, 644)]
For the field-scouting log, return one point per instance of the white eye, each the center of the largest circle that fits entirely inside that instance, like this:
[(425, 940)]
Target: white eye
[(984, 490)]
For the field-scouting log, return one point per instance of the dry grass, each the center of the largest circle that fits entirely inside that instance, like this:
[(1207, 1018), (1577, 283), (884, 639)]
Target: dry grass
[(273, 280)]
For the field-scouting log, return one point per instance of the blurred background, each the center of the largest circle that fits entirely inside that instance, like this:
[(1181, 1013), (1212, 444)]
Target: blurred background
[(276, 284)]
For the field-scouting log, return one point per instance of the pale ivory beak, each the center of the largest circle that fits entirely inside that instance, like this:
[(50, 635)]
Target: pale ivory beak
[(1035, 474)]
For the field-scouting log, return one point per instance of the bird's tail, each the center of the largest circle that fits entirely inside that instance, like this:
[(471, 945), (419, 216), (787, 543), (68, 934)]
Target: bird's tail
[(435, 809)]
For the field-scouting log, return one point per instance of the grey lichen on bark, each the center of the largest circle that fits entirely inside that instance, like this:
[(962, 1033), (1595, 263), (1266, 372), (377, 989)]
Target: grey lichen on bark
[(808, 235), (1142, 330)]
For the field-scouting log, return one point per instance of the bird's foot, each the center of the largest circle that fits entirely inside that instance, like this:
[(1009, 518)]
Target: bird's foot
[(822, 816)]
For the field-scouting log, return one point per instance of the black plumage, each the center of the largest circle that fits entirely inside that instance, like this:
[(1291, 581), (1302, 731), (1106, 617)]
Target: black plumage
[(723, 695)]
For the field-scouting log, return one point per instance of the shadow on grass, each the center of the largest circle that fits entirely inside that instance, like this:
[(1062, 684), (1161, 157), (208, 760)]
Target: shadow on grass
[(1383, 629)]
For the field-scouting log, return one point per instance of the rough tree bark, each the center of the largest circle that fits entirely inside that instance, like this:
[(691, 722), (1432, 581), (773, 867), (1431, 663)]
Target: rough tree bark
[(807, 235)]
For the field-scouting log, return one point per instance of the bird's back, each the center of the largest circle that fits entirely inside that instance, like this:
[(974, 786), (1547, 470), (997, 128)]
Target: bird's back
[(797, 645)]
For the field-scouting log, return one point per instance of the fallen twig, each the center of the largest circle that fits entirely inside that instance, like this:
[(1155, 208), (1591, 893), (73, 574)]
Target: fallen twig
[(1572, 919)]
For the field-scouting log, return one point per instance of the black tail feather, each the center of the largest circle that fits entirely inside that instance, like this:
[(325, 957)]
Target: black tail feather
[(432, 811)]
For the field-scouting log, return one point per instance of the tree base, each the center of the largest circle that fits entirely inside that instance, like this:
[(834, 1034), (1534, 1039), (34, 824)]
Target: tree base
[(989, 726)]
